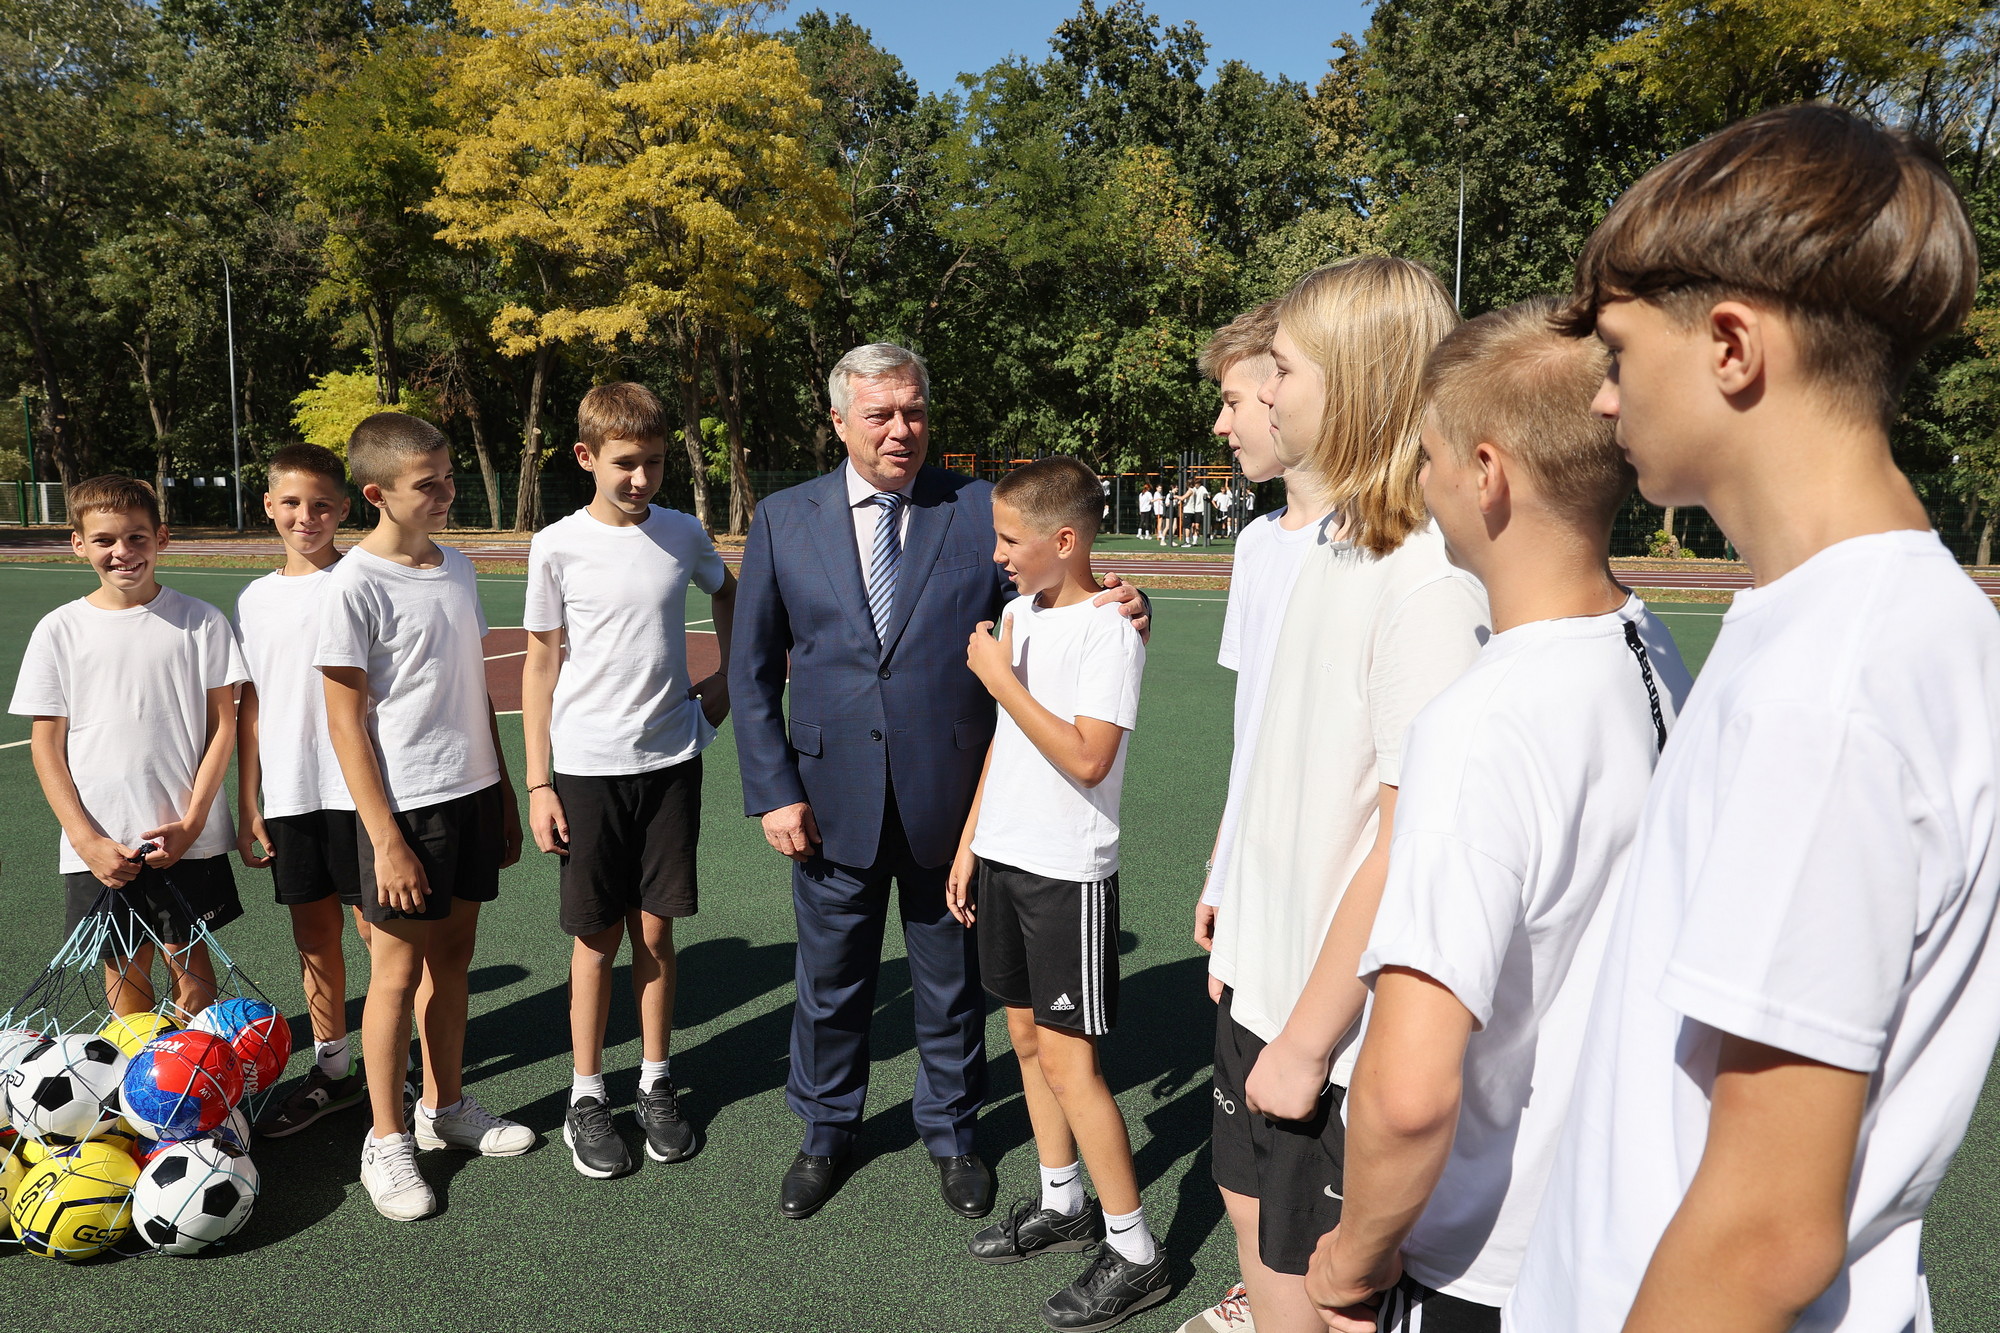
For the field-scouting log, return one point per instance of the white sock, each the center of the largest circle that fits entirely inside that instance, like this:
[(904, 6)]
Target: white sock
[(333, 1057), (585, 1085), (424, 1110), (1127, 1234), (1062, 1189), (652, 1072)]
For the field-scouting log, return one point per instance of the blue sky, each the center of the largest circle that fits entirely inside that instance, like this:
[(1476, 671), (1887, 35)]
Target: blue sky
[(940, 39)]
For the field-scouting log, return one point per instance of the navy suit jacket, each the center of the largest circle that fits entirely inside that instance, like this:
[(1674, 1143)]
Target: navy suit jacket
[(863, 709)]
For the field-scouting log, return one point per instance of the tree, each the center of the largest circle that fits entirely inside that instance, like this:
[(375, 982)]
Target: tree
[(650, 158)]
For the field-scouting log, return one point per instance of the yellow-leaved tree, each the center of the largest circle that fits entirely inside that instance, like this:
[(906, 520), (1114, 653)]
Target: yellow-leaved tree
[(643, 168)]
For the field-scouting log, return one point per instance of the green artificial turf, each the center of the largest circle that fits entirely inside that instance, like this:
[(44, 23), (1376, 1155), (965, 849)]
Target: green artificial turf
[(529, 1244)]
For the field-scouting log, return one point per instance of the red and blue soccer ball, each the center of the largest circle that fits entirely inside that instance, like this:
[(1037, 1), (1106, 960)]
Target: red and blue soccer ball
[(257, 1032), (181, 1085)]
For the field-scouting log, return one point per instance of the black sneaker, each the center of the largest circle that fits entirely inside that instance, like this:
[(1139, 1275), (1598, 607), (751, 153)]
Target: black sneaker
[(669, 1136), (1109, 1291), (1030, 1229), (316, 1096), (594, 1144)]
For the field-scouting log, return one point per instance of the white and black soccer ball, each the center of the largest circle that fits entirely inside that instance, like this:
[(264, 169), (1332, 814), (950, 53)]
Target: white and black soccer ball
[(16, 1045), (194, 1194), (56, 1095)]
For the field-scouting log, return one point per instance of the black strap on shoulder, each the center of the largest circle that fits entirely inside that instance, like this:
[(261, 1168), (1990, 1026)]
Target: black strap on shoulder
[(1638, 648)]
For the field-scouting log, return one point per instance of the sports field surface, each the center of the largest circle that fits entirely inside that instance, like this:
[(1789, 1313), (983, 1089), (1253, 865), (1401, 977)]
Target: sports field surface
[(527, 1243)]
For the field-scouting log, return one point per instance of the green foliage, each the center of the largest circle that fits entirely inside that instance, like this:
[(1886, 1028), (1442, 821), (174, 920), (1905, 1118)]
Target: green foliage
[(327, 413), (13, 465)]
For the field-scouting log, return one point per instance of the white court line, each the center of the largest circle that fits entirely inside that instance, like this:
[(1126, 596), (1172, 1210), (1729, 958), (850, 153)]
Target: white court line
[(15, 745), (1692, 615), (1217, 600), (501, 656)]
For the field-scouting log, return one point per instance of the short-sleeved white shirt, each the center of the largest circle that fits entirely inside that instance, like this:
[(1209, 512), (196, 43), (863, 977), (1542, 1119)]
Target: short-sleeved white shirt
[(1367, 641), (1817, 870), (1195, 501), (133, 685), (1268, 560), (277, 619), (620, 595), (1077, 661), (1522, 787), (1223, 500), (1145, 502), (417, 633)]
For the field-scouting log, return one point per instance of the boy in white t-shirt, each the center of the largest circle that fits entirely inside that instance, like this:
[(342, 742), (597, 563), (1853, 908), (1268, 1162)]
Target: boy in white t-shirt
[(305, 822), (414, 732), (1522, 785), (132, 691), (1801, 993), (614, 739), (1039, 865)]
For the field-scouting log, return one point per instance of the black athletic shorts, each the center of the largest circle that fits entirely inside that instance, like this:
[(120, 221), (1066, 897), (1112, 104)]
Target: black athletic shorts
[(458, 843), (316, 854), (631, 845), (1295, 1169), (1411, 1307), (1050, 945), (168, 902)]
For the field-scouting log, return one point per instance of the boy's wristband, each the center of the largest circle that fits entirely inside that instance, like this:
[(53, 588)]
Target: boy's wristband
[(538, 786)]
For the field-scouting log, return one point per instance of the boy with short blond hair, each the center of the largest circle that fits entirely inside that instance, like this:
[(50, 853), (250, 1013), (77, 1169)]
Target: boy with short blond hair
[(132, 691), (419, 750), (1523, 781), (614, 735), (1038, 867), (1801, 993), (304, 823)]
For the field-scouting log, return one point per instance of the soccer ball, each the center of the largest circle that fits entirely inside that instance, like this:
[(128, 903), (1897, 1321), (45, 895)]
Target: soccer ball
[(130, 1032), (15, 1045), (181, 1085), (237, 1128), (57, 1093), (194, 1194), (12, 1172), (257, 1032), (77, 1203)]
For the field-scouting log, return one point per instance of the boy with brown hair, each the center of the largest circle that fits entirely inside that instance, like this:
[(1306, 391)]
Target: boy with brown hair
[(419, 749), (132, 691), (614, 735), (1042, 842), (1800, 995), (305, 821), (1522, 784)]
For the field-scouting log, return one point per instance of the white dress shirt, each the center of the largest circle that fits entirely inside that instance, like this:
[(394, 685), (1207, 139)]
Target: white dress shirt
[(867, 515)]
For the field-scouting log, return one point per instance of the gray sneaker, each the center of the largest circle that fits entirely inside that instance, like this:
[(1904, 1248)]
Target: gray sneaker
[(669, 1136), (474, 1128), (594, 1145), (389, 1174)]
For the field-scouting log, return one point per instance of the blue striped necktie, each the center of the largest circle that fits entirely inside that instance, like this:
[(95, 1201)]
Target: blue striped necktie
[(888, 555)]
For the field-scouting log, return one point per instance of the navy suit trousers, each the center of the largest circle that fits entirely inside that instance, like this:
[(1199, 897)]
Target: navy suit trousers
[(842, 912)]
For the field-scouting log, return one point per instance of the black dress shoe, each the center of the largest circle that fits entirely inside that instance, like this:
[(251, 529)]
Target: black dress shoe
[(809, 1182), (966, 1184)]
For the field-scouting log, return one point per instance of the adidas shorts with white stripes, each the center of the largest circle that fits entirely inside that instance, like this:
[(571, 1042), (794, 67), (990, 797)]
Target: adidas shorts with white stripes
[(1411, 1307), (1050, 945)]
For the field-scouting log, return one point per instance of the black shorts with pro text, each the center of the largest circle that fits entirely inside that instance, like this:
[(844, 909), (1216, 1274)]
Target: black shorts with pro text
[(167, 902), (315, 855), (631, 845), (458, 842), (1295, 1169), (1050, 945)]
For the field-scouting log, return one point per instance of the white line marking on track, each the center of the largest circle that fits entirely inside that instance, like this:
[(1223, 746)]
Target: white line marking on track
[(15, 745), (499, 656)]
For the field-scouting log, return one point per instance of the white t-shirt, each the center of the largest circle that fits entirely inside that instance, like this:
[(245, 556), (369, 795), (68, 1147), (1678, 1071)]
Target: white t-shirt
[(621, 702), (1522, 787), (1367, 641), (1196, 500), (134, 686), (1223, 500), (1817, 870), (416, 632), (277, 619), (1078, 661), (1145, 502), (1268, 559)]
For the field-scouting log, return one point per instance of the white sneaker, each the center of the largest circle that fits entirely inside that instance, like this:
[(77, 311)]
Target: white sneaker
[(389, 1174), (1231, 1314), (473, 1127)]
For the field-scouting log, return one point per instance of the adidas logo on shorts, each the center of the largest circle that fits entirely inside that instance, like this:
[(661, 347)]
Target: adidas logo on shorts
[(1063, 1004)]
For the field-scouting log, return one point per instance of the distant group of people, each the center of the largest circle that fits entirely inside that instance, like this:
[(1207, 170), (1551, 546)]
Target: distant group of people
[(1180, 515), (1553, 992)]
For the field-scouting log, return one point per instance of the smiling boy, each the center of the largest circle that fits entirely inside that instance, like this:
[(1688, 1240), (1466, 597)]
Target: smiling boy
[(132, 691)]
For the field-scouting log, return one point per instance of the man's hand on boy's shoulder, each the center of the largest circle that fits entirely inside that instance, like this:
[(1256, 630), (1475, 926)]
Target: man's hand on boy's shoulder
[(713, 692), (991, 658), (1132, 604)]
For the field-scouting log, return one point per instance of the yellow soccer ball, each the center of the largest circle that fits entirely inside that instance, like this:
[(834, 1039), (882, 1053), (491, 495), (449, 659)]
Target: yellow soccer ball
[(77, 1203), (12, 1171), (131, 1032)]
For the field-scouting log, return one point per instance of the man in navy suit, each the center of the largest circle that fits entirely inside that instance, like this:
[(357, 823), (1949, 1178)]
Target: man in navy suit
[(864, 586)]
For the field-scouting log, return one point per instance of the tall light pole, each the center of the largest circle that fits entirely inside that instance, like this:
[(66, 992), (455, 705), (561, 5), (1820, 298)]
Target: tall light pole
[(1459, 269), (235, 446)]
